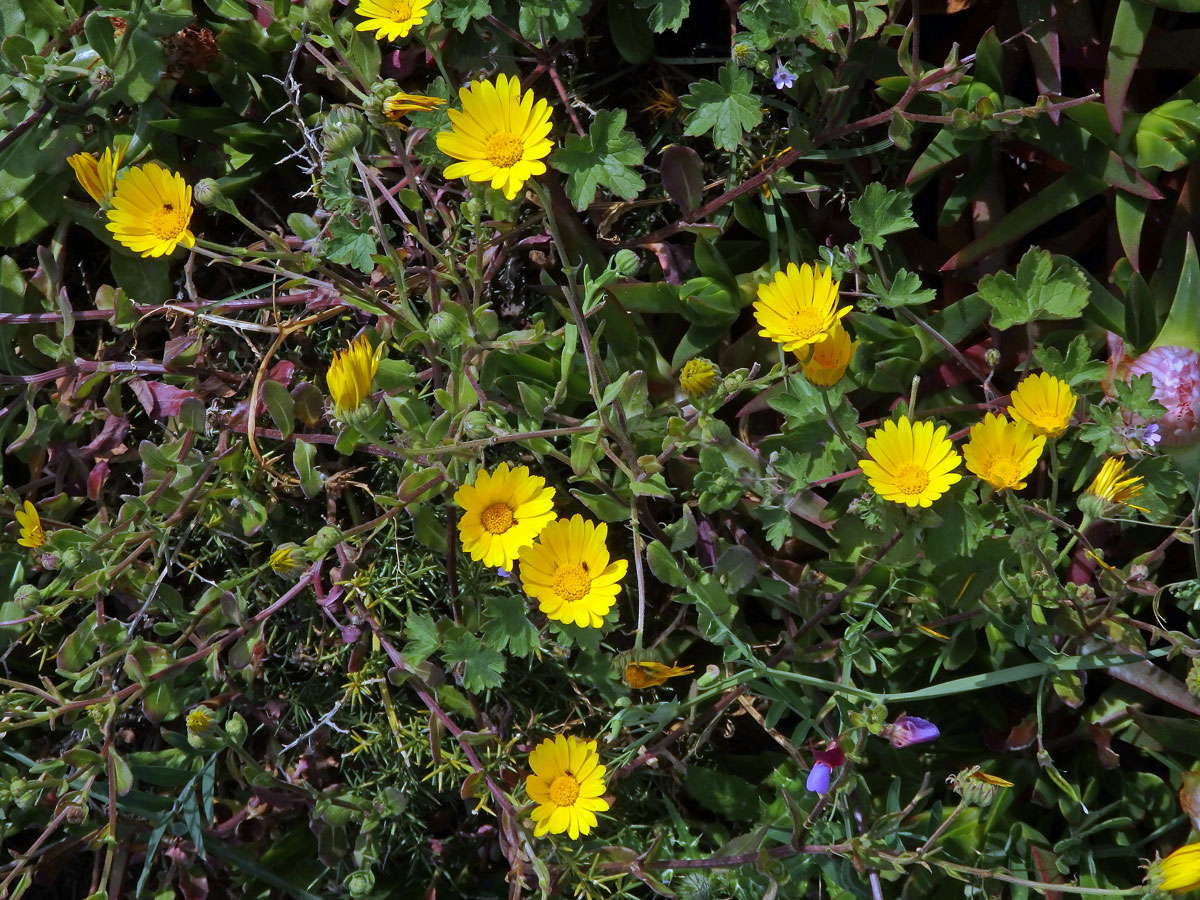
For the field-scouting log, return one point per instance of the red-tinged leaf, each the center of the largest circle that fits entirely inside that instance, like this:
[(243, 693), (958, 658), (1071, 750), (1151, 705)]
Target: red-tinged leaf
[(1130, 27), (1039, 18), (96, 479), (158, 398), (1056, 199)]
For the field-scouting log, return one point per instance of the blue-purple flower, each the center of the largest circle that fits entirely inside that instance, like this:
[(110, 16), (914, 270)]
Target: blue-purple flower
[(783, 78), (909, 730), (818, 778), (1150, 435)]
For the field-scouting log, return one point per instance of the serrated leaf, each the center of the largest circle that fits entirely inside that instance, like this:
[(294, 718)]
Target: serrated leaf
[(1042, 289), (880, 212), (726, 108), (483, 667), (423, 638), (604, 157), (906, 290), (666, 15), (508, 627)]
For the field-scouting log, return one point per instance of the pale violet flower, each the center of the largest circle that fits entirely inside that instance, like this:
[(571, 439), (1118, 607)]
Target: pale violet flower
[(1150, 436), (908, 730), (783, 78)]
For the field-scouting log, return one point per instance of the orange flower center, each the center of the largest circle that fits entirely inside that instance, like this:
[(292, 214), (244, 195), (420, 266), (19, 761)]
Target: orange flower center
[(497, 518), (572, 582), (168, 223), (503, 150), (1004, 471), (564, 790), (806, 322), (911, 479)]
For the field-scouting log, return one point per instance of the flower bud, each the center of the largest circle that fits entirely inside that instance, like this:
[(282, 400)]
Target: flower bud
[(27, 596), (207, 192), (343, 129), (101, 78), (476, 423), (326, 539), (444, 327), (975, 787), (626, 263)]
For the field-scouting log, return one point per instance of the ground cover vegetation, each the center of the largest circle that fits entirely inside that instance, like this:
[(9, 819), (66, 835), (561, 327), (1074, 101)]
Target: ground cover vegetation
[(599, 448)]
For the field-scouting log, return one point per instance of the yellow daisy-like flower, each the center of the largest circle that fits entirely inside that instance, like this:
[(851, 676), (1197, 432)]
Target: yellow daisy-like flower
[(99, 176), (829, 359), (199, 720), (391, 19), (351, 373), (151, 211), (1001, 452), (567, 785), (401, 104), (286, 559), (639, 675), (799, 307), (1113, 486), (1180, 871), (1045, 402), (32, 533), (503, 512), (911, 462), (697, 377), (567, 570), (499, 136)]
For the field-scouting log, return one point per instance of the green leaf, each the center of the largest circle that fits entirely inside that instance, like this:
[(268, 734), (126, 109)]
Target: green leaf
[(311, 478), (483, 667), (423, 638), (663, 565), (604, 157), (1169, 135), (1042, 289), (722, 792), (461, 13), (880, 212), (1130, 28), (906, 290), (350, 244), (508, 627), (666, 15), (728, 109), (281, 406)]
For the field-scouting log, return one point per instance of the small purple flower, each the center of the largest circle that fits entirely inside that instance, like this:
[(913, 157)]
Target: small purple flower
[(1150, 436), (908, 730), (818, 778), (783, 78)]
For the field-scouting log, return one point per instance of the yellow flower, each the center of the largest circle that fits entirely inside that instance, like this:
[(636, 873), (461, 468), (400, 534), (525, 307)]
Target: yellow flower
[(286, 559), (567, 785), (500, 135), (662, 103), (390, 19), (1045, 402), (1001, 452), (99, 177), (829, 359), (799, 307), (32, 534), (503, 511), (151, 210), (401, 104), (1181, 869), (567, 570), (351, 373), (640, 675), (1112, 486), (697, 377), (911, 463), (199, 720)]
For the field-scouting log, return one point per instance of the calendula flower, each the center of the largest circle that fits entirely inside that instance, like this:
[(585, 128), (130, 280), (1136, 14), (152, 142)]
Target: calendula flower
[(351, 373), (567, 785), (503, 512), (1180, 871), (1112, 485), (911, 463), (799, 307), (390, 19), (499, 136), (827, 361), (567, 570), (1001, 452), (401, 104), (32, 533), (151, 210), (199, 720), (697, 377), (645, 674), (99, 176), (1045, 402)]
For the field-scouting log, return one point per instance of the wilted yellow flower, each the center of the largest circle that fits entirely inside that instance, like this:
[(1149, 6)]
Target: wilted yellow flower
[(567, 570), (828, 360), (503, 512), (1113, 486), (697, 377), (911, 462), (401, 104), (351, 373), (799, 307), (646, 674), (662, 103), (567, 785), (1180, 871), (199, 720), (99, 177), (286, 559), (32, 534), (1001, 452), (1045, 402), (390, 19), (977, 788), (499, 136), (151, 210)]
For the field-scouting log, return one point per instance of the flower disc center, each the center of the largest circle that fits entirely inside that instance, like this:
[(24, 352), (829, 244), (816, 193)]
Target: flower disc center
[(167, 222), (1005, 471), (401, 10), (911, 479), (497, 518), (806, 322), (572, 582), (503, 150), (564, 790)]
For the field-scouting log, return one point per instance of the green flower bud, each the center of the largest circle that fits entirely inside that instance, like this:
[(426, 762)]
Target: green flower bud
[(1193, 677), (71, 558), (977, 788), (208, 193), (27, 596), (444, 327), (360, 883), (476, 423), (236, 729), (626, 263), (343, 130), (325, 539)]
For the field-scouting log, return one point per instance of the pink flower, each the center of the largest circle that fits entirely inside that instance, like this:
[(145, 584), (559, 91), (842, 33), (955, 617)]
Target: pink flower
[(1176, 375)]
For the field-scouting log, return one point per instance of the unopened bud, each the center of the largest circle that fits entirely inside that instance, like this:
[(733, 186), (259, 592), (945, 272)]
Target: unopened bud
[(101, 78), (977, 788)]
